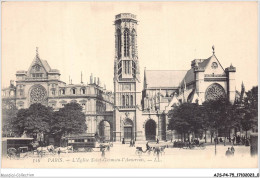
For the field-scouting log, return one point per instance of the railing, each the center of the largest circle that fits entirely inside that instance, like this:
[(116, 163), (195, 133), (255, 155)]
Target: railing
[(126, 107), (214, 75)]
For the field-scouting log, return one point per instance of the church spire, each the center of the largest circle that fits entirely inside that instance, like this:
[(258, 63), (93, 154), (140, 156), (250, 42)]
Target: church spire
[(37, 52), (81, 78)]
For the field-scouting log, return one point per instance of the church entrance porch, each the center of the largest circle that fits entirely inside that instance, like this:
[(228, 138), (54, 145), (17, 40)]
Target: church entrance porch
[(128, 130), (105, 131), (150, 130), (128, 133)]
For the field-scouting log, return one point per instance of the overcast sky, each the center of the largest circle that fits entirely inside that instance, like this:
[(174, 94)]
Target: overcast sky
[(79, 36)]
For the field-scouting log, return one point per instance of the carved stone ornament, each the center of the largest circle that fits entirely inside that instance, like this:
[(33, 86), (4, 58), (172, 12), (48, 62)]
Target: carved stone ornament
[(214, 92), (38, 94)]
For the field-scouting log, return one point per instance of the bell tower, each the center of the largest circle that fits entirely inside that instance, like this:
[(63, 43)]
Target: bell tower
[(127, 89)]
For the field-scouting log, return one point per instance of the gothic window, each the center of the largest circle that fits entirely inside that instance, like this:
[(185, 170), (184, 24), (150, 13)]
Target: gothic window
[(133, 43), (118, 43), (132, 100), (214, 65), (21, 92), (53, 92), (62, 91), (125, 66), (37, 67), (127, 100), (214, 92), (128, 66), (126, 43), (83, 91), (123, 100), (38, 94), (73, 91)]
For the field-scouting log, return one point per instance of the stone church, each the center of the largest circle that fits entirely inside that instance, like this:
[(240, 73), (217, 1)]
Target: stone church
[(141, 110), (138, 107), (42, 84)]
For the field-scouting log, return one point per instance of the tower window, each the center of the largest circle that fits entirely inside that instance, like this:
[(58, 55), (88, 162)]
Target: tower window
[(133, 44), (127, 100), (123, 100), (53, 92), (126, 43), (118, 43), (132, 100)]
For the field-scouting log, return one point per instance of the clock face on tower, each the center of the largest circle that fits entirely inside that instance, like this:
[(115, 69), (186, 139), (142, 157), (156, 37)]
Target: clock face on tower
[(214, 65)]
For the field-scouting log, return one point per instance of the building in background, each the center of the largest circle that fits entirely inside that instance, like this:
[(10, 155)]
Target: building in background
[(42, 84), (143, 116), (133, 111)]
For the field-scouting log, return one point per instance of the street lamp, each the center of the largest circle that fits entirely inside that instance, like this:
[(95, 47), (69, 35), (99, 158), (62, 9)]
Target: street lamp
[(215, 140), (157, 113)]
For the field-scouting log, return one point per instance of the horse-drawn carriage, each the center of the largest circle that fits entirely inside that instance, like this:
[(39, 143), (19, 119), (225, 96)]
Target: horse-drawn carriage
[(86, 143), (151, 148), (16, 148)]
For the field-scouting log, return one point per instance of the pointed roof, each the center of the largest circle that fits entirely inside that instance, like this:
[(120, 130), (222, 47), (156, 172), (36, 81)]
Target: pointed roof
[(188, 78), (164, 78)]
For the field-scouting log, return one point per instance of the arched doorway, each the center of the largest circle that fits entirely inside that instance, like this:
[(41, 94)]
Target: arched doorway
[(150, 130), (104, 131), (128, 130)]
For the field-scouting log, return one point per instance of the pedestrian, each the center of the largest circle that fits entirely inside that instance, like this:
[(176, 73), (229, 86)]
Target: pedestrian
[(103, 152), (157, 141), (232, 150), (59, 152), (234, 139), (157, 152), (108, 148), (238, 140), (123, 141), (147, 146), (133, 143), (228, 152)]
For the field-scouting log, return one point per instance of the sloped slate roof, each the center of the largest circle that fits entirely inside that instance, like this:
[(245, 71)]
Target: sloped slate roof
[(189, 77), (164, 78), (45, 65)]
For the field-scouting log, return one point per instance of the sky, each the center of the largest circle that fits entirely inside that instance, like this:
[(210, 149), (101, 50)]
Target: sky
[(77, 37)]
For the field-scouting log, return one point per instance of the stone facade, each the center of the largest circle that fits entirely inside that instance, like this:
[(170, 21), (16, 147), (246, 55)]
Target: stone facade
[(146, 119), (41, 84), (133, 111)]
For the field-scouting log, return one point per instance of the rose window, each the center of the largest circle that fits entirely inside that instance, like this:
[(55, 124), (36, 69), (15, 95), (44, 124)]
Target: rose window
[(38, 95), (214, 92)]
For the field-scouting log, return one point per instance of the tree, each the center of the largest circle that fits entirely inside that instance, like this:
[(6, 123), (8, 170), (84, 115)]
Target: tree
[(250, 118), (35, 119), (221, 115), (185, 119), (9, 112), (69, 120)]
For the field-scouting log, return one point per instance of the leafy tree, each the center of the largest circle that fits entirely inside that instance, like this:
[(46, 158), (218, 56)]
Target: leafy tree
[(250, 118), (185, 118), (69, 120), (9, 111), (35, 119), (222, 115)]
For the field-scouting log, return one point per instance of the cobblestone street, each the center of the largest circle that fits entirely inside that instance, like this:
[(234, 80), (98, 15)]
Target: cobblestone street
[(123, 156)]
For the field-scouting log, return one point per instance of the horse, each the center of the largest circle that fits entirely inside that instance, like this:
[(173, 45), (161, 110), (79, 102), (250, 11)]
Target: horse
[(42, 150), (64, 149), (47, 149)]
